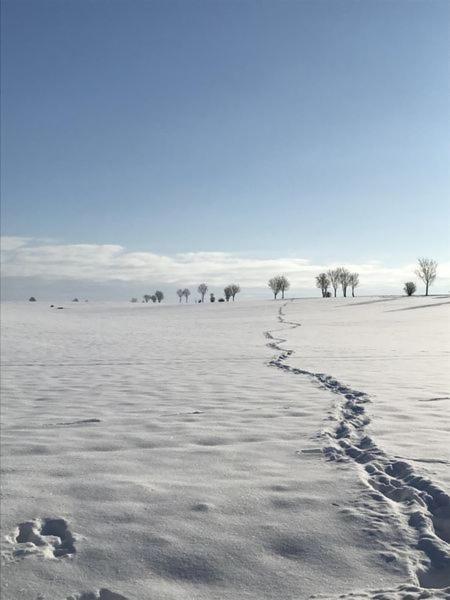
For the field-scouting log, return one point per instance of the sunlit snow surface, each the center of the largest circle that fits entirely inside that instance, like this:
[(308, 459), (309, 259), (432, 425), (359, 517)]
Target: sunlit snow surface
[(209, 452)]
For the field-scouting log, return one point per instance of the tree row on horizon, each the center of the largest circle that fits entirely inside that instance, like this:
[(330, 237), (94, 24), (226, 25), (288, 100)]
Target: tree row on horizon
[(335, 278), (229, 291)]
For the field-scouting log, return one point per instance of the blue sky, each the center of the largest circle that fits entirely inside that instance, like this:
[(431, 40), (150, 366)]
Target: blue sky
[(313, 130)]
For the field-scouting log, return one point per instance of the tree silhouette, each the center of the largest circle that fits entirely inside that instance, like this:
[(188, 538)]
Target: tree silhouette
[(234, 289), (353, 282), (147, 297), (335, 279), (284, 285), (186, 293), (323, 283), (344, 280), (180, 294), (274, 284), (427, 272), (410, 288), (159, 296), (202, 289)]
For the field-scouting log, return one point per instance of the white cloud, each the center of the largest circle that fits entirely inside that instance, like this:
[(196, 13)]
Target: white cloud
[(10, 242), (24, 257)]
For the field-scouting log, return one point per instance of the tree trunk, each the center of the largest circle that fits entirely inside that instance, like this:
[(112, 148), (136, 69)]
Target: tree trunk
[(426, 289), (344, 292), (282, 294), (335, 292), (353, 292)]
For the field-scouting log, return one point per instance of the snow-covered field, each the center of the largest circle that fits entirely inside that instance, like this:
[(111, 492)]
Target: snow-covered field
[(259, 450)]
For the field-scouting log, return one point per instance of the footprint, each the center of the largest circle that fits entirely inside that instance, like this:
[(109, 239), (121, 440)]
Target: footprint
[(102, 594), (50, 538)]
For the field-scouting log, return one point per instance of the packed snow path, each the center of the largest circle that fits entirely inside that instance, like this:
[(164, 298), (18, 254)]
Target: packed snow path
[(422, 505)]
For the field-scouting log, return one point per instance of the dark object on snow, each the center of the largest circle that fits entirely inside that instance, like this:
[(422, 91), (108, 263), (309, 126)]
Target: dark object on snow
[(75, 300), (60, 307), (32, 299), (212, 298), (221, 300), (52, 306), (410, 288), (327, 295)]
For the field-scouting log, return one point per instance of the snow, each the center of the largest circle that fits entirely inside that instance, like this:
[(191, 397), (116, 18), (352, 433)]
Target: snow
[(220, 451)]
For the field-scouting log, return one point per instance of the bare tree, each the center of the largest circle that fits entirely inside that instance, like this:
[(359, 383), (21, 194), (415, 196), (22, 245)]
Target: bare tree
[(353, 282), (227, 292), (335, 279), (427, 272), (180, 293), (344, 278), (159, 296), (202, 289), (234, 289), (284, 285), (323, 283), (274, 285), (410, 288), (147, 297), (186, 293), (278, 284), (153, 298)]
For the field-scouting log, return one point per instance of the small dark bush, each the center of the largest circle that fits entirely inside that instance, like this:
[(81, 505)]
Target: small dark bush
[(32, 299), (409, 288), (221, 300)]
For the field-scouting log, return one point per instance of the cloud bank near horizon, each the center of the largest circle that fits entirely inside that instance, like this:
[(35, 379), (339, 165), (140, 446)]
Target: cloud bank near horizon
[(24, 257)]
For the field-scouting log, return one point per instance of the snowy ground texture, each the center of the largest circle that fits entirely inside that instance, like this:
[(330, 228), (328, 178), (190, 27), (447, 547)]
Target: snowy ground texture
[(255, 450)]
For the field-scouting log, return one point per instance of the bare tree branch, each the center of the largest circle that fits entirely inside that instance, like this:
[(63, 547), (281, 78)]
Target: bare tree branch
[(427, 272)]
